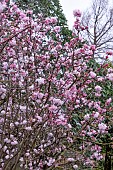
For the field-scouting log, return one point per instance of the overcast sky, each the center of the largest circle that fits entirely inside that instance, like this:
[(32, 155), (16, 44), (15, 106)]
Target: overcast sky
[(70, 5)]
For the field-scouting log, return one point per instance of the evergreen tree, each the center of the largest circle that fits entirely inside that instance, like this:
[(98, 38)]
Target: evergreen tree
[(49, 8)]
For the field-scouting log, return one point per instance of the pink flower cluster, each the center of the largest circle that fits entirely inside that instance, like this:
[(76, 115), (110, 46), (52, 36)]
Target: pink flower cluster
[(77, 13)]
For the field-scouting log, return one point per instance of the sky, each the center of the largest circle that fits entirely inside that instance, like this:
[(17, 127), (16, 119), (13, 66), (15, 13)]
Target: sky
[(70, 5)]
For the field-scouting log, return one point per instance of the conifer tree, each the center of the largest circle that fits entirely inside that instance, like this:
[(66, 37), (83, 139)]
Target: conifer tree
[(49, 8)]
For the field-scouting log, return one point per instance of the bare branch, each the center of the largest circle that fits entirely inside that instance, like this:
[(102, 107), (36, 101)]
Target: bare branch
[(99, 20)]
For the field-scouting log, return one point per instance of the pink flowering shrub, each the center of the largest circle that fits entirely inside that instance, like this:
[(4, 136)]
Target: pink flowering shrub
[(44, 87)]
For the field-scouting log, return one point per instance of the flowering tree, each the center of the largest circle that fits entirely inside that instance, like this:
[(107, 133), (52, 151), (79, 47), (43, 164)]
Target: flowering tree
[(44, 87)]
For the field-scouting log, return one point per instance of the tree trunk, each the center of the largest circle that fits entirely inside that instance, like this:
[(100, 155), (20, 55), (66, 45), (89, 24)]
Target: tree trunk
[(107, 164)]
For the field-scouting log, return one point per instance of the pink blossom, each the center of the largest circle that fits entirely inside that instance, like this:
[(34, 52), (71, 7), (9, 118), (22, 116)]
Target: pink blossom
[(57, 29), (25, 48), (96, 115), (100, 78), (29, 128), (39, 118), (4, 148), (92, 74), (27, 154), (110, 76), (29, 12), (7, 156), (53, 108), (2, 112), (13, 42), (57, 101), (35, 95), (40, 80), (61, 120), (97, 155), (2, 90), (86, 117), (109, 52), (54, 20), (93, 47), (98, 88), (7, 140), (50, 161), (96, 105), (102, 127), (5, 65), (77, 13), (14, 143), (90, 104), (108, 101), (110, 70), (23, 108), (40, 95), (75, 167), (2, 6), (14, 6), (70, 159), (24, 122), (48, 20), (98, 94)]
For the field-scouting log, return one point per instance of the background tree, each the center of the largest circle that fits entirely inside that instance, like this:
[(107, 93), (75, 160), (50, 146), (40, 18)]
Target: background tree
[(49, 8), (99, 20)]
